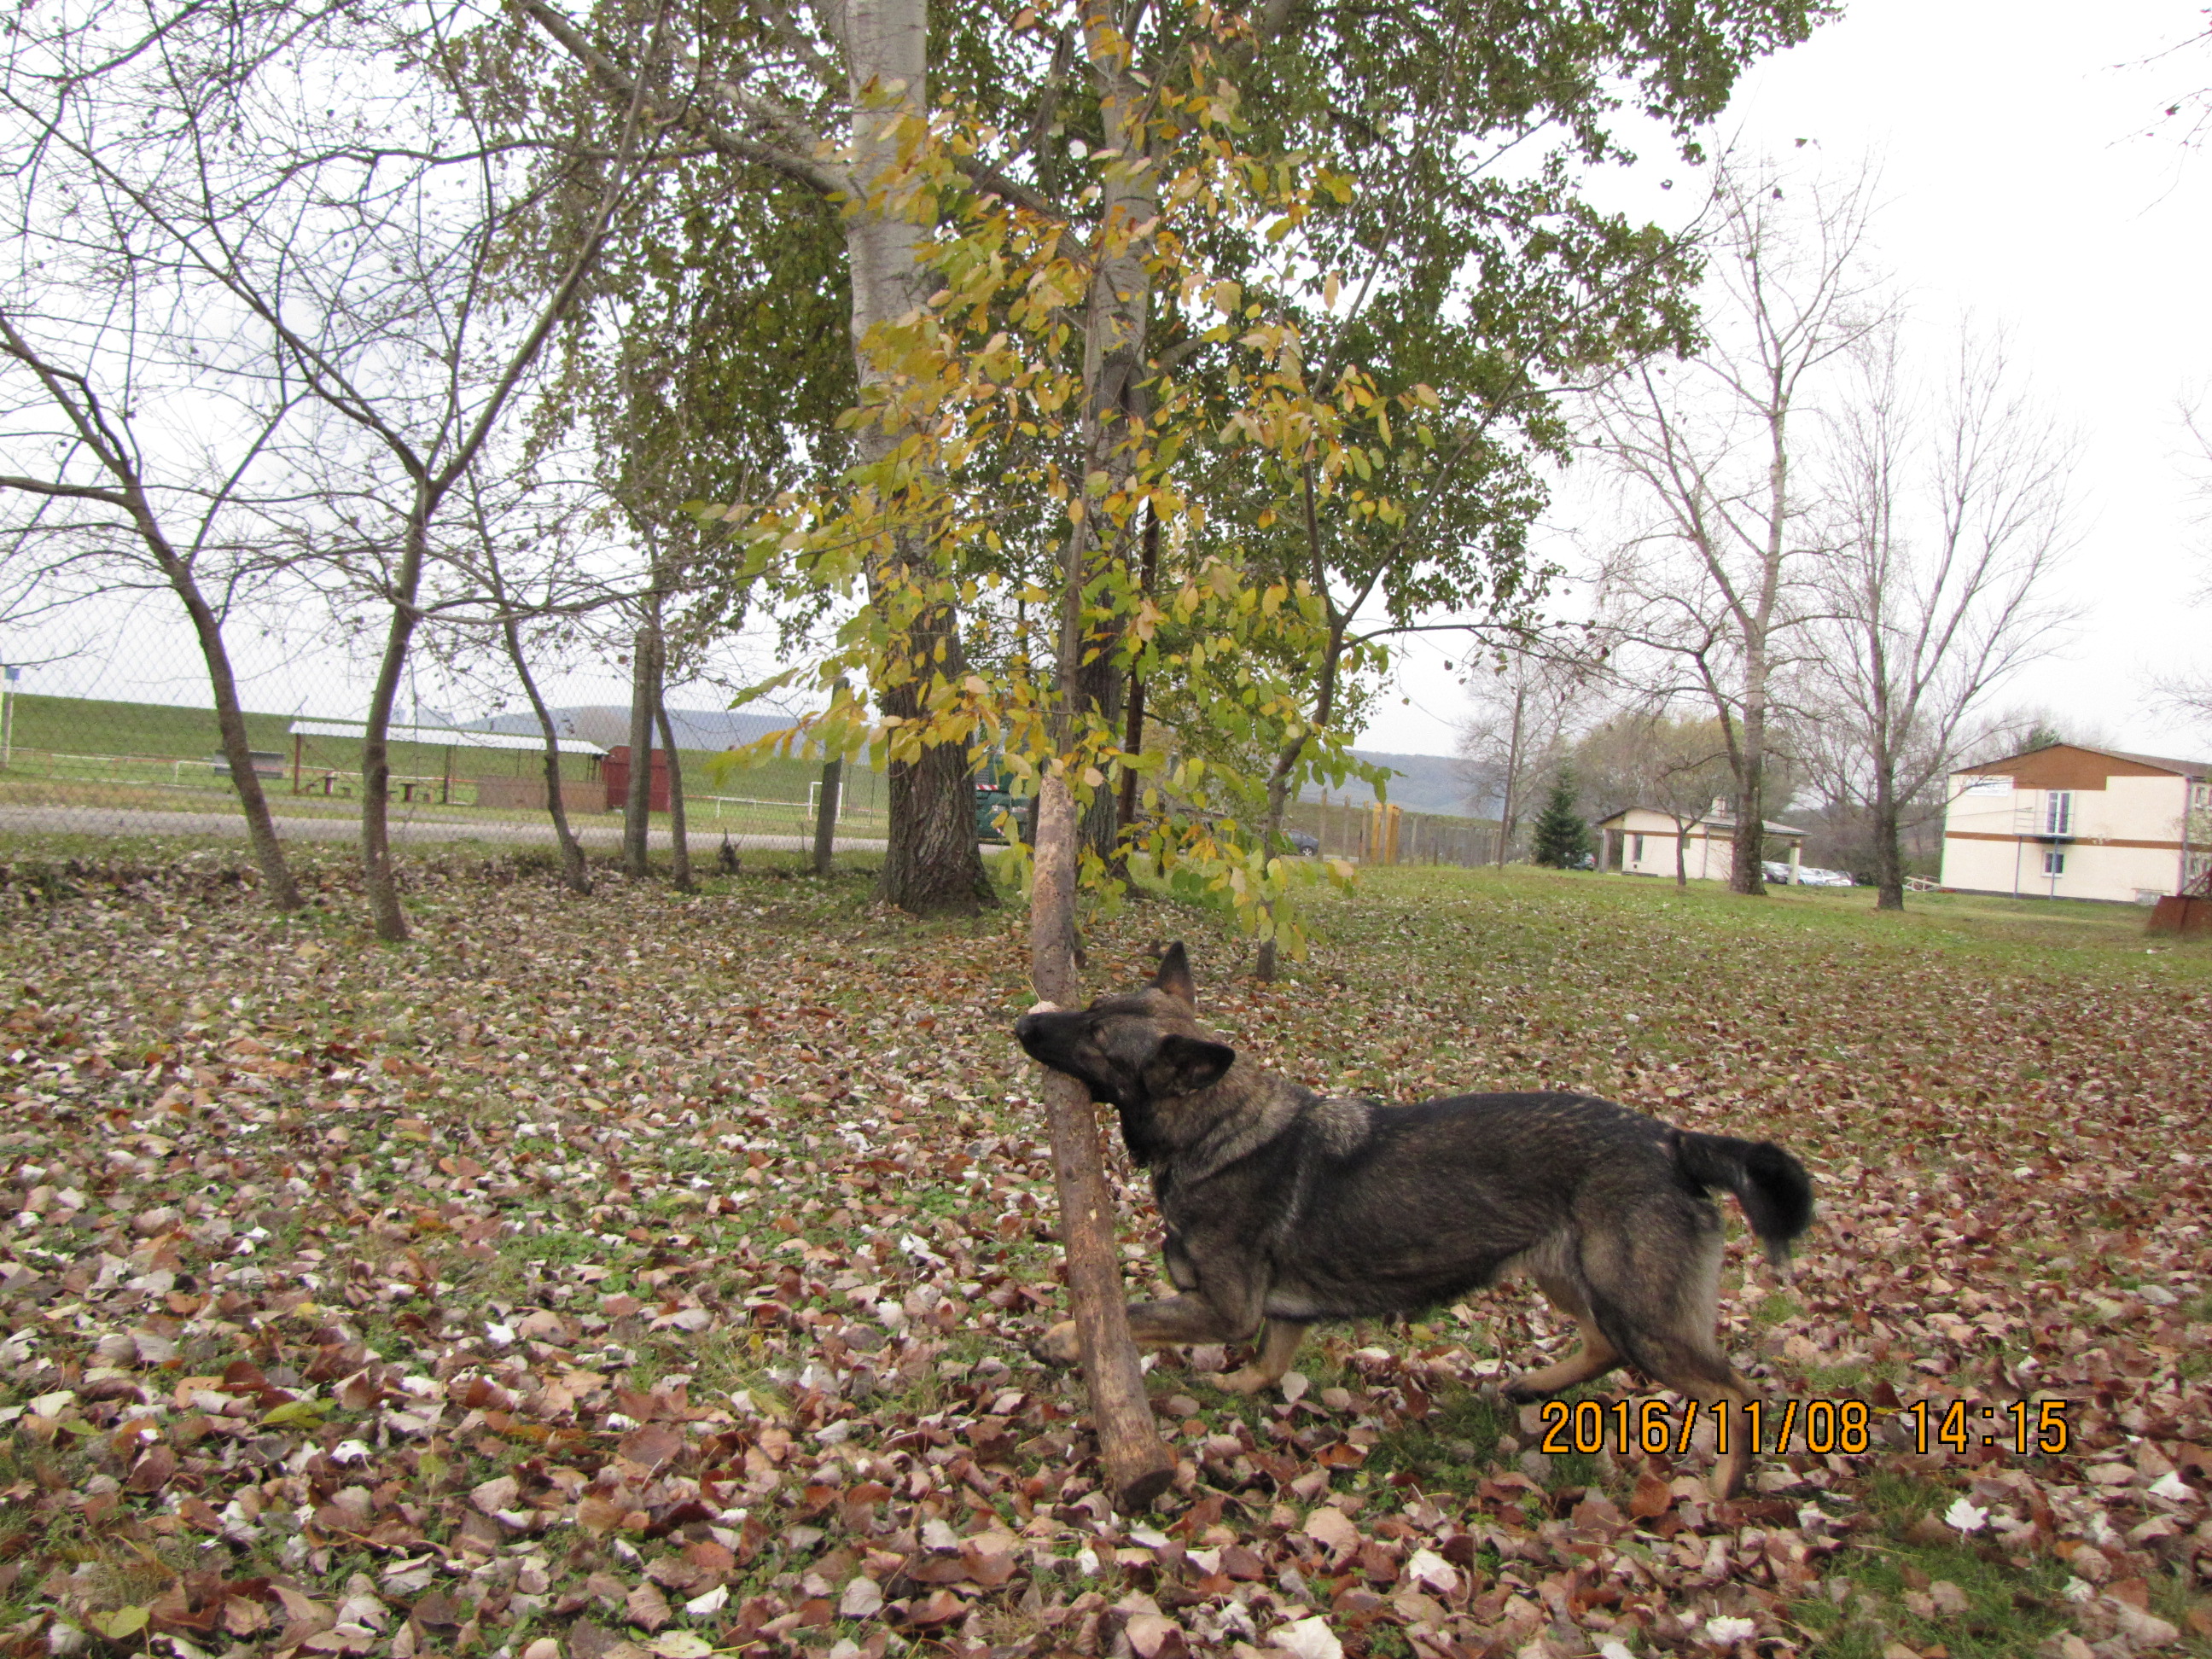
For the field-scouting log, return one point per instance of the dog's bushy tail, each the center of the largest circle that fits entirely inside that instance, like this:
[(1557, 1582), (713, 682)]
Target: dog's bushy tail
[(1776, 1193)]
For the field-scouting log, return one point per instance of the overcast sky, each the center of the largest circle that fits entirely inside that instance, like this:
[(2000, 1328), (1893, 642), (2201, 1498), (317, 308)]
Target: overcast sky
[(2029, 182)]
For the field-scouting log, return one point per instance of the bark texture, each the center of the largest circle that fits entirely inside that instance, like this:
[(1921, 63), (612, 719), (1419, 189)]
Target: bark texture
[(574, 874), (1139, 1465), (679, 847), (826, 816), (379, 880), (931, 865), (637, 798), (277, 884)]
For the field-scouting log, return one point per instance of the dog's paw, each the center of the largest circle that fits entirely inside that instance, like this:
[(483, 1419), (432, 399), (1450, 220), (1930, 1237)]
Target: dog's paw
[(1250, 1380), (1058, 1345)]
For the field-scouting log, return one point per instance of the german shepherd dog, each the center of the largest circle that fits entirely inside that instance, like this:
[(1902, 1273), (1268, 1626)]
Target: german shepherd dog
[(1284, 1207)]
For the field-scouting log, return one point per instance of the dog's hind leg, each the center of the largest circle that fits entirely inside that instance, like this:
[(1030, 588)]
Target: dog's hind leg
[(1278, 1345), (1596, 1356), (1662, 1310), (1732, 1396)]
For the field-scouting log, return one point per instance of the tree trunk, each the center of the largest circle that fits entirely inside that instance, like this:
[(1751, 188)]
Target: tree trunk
[(934, 867), (1132, 738), (680, 850), (379, 878), (931, 862), (1888, 853), (1116, 318), (1681, 855), (637, 799), (1748, 848), (282, 892), (1137, 1463), (826, 816), (1512, 775), (573, 872)]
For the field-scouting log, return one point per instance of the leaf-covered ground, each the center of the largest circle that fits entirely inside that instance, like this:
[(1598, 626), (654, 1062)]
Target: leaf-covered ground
[(653, 1273)]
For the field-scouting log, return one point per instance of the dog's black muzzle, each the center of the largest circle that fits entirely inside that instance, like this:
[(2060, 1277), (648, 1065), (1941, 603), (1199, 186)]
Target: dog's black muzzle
[(1047, 1036)]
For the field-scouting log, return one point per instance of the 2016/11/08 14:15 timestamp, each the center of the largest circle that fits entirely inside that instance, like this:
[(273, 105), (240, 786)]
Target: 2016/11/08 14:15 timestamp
[(1818, 1426)]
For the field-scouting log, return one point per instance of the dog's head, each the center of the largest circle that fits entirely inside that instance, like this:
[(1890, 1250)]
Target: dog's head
[(1136, 1051)]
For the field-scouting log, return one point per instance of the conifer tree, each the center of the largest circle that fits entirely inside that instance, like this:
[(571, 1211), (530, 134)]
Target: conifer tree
[(1562, 840)]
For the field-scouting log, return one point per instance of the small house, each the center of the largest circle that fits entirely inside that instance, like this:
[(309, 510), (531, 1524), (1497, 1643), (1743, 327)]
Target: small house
[(2067, 821), (1641, 841)]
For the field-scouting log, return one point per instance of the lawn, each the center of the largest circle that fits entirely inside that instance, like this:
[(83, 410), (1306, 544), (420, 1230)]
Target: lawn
[(79, 752), (655, 1274)]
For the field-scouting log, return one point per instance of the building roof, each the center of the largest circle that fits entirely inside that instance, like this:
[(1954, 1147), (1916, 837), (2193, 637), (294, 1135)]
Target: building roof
[(447, 736), (1710, 821), (2163, 763)]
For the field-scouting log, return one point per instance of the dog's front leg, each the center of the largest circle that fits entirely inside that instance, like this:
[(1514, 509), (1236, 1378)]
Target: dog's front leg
[(1168, 1324), (1276, 1348)]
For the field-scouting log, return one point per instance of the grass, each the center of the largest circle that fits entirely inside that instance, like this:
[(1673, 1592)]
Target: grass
[(1808, 1016), (82, 750), (1884, 1586)]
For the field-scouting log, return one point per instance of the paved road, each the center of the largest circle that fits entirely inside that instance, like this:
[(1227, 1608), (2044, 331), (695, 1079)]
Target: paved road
[(112, 820)]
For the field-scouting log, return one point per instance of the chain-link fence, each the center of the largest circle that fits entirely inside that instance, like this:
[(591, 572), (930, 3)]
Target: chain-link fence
[(84, 749), (72, 763)]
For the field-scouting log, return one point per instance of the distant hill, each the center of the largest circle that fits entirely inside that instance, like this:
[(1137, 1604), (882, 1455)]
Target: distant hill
[(1424, 783)]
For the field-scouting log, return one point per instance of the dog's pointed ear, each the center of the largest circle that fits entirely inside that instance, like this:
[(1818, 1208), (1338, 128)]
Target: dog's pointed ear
[(1184, 1065), (1174, 976)]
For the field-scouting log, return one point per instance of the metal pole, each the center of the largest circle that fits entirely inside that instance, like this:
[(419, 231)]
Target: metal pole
[(7, 680)]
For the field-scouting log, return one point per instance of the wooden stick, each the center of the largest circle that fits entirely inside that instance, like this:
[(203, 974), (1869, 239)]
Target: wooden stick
[(1139, 1465)]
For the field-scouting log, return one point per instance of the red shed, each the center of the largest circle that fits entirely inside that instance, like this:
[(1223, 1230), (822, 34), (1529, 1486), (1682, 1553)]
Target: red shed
[(616, 770)]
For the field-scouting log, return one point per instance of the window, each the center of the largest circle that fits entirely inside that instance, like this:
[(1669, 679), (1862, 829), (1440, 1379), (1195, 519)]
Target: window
[(2059, 812), (1636, 848), (2054, 863)]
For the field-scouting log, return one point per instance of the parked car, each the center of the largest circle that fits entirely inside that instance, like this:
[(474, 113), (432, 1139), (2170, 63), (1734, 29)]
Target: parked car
[(1305, 846), (991, 797), (1807, 875)]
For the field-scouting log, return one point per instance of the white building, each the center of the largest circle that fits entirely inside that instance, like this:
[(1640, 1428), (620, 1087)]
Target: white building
[(1641, 842), (2068, 821)]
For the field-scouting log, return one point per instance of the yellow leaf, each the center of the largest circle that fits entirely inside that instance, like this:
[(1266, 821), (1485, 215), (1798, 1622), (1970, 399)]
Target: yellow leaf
[(121, 1622)]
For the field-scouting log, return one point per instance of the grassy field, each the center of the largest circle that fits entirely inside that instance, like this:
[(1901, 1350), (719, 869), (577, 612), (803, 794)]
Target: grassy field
[(661, 1270), (82, 751)]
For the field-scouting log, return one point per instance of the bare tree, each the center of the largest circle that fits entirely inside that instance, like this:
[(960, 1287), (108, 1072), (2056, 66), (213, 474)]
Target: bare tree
[(343, 260), (112, 510), (1706, 592), (1517, 731), (2187, 691), (1647, 757), (1948, 520), (520, 564)]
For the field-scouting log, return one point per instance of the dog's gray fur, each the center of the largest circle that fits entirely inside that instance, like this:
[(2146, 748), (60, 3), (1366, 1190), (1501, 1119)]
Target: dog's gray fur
[(1284, 1207)]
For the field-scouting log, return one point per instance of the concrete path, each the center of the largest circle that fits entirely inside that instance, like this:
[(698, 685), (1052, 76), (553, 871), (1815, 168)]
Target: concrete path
[(412, 827)]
